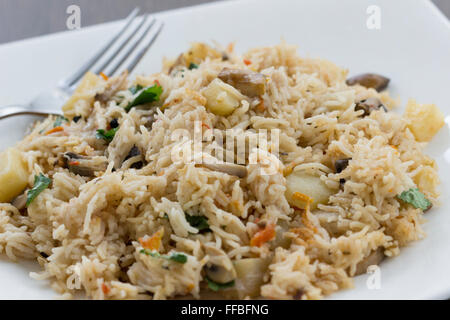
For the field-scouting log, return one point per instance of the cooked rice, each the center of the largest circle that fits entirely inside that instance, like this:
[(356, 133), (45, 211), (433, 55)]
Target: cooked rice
[(85, 232)]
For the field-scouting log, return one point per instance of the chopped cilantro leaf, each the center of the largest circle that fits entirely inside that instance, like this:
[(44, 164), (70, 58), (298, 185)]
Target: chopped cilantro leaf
[(416, 198), (146, 95), (176, 257), (41, 182), (198, 222), (214, 286), (106, 135), (193, 66)]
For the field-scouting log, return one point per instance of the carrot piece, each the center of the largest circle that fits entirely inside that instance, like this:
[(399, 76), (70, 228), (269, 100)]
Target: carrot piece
[(104, 76), (230, 47), (74, 163), (105, 288), (153, 242), (247, 62), (395, 148), (55, 129), (302, 197), (289, 168), (264, 235), (206, 126), (261, 107)]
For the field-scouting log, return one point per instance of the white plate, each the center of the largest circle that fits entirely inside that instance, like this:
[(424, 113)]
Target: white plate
[(412, 48)]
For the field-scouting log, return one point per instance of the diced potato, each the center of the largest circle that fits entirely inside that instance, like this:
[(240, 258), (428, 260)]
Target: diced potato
[(13, 174), (85, 93), (199, 52), (427, 180), (303, 188), (222, 99), (425, 120), (250, 273)]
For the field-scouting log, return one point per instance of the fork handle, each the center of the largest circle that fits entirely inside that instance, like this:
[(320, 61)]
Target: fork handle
[(11, 111)]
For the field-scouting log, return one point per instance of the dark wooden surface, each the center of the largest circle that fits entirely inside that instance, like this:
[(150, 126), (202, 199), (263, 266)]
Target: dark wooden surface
[(20, 19)]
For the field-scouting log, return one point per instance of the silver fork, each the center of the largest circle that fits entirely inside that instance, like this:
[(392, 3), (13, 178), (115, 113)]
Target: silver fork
[(50, 102)]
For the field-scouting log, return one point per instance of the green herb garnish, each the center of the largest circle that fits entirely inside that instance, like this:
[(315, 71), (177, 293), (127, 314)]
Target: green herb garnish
[(193, 66), (198, 222), (146, 95), (416, 198), (177, 257), (214, 286), (41, 182), (59, 120), (106, 135)]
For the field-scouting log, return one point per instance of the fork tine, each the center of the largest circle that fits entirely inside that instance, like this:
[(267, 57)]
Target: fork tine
[(122, 44), (72, 79), (132, 64), (112, 69)]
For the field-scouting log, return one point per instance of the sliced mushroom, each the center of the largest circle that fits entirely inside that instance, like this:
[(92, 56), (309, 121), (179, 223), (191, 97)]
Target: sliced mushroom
[(181, 61), (135, 154), (150, 120), (369, 80), (228, 168), (369, 105), (113, 85), (20, 201), (428, 209), (225, 56), (250, 277), (374, 258), (298, 295), (249, 83), (85, 166), (341, 164), (219, 268)]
